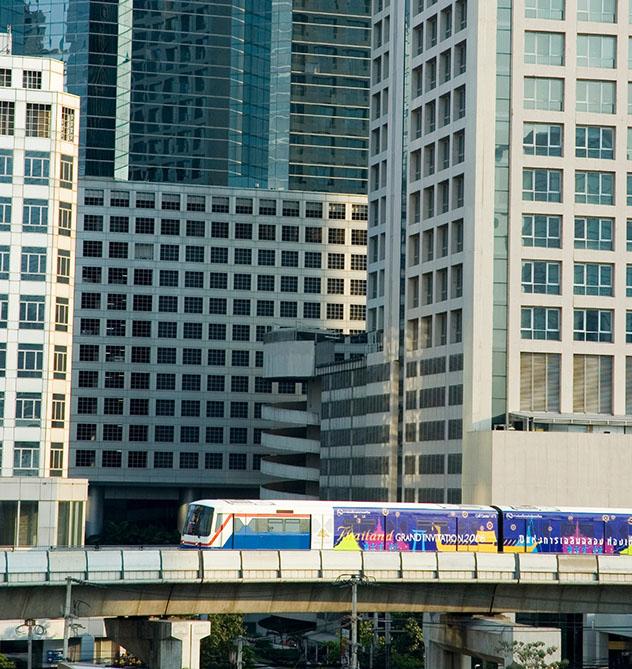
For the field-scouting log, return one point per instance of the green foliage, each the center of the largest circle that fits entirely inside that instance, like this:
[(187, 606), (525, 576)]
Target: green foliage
[(219, 649), (531, 655), (268, 654), (6, 663), (407, 643), (125, 533)]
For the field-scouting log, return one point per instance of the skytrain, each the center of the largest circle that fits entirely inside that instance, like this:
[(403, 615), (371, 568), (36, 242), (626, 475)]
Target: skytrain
[(224, 524)]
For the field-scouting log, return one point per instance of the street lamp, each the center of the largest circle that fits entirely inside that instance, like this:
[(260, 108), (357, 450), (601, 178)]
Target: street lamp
[(32, 628)]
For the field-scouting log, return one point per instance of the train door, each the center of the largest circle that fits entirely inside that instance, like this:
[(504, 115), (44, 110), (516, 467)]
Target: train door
[(358, 529), (582, 534), (477, 532), (514, 533), (616, 535)]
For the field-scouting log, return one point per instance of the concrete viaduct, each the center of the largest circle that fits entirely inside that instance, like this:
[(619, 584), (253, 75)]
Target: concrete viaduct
[(172, 582)]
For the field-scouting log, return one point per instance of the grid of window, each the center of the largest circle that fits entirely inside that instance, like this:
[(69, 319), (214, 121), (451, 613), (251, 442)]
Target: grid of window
[(276, 247)]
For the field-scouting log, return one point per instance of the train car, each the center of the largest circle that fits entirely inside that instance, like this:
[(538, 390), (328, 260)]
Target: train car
[(359, 526), (565, 530)]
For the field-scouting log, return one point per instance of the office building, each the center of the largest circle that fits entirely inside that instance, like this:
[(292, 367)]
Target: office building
[(515, 238), (242, 93), (176, 289), (38, 205)]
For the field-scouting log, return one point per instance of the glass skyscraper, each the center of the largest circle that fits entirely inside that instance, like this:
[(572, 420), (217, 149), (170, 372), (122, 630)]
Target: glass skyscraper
[(246, 93)]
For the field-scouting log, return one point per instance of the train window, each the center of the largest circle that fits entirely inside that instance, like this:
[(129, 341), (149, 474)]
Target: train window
[(275, 525), (199, 520), (272, 525)]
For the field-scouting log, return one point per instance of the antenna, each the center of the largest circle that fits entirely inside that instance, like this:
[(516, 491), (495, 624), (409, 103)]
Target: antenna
[(6, 42)]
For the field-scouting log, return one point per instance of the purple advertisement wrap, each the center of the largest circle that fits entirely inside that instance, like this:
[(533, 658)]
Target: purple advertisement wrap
[(363, 529), (574, 533)]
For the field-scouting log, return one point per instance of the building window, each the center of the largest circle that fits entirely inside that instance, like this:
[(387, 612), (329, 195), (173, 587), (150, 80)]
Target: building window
[(337, 210), (28, 409), (592, 325), (6, 173), (163, 460), (540, 382), (596, 50), (65, 219), (86, 432), (289, 233), (596, 96), (37, 120), (67, 124), (56, 467), (58, 410), (542, 139), (543, 93), (35, 216), (540, 230), (593, 141), (32, 79), (85, 458), (36, 167), (60, 362), (540, 323), (541, 185), (592, 384), (593, 279), (33, 263), (628, 340), (599, 11), (62, 314), (63, 266), (541, 277), (594, 187), (171, 201), (137, 459), (5, 77), (237, 461), (26, 457), (30, 360), (243, 205), (32, 312), (111, 459), (543, 48), (7, 117), (594, 233), (189, 460), (357, 312)]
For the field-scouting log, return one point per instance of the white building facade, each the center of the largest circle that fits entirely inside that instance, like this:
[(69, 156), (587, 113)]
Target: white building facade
[(38, 204), (516, 146)]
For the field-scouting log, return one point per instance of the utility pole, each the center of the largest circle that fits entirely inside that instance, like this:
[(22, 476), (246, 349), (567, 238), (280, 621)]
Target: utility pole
[(353, 580), (32, 628), (67, 616), (387, 641), (353, 664), (240, 652)]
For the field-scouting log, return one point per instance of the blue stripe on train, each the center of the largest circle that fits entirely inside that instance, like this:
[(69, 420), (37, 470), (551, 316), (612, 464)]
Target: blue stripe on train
[(269, 541)]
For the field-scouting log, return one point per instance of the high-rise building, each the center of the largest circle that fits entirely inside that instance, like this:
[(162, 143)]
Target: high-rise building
[(244, 93), (508, 273), (177, 287), (38, 206)]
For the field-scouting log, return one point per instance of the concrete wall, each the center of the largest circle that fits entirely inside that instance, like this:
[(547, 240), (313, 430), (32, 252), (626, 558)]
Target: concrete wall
[(547, 468)]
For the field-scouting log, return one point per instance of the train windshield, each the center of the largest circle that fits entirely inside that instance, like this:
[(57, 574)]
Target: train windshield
[(199, 519)]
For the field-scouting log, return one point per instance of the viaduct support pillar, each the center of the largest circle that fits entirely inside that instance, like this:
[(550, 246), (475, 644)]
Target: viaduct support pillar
[(162, 644)]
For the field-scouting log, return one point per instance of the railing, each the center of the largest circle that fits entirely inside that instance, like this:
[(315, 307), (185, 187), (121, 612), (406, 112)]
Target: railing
[(172, 565)]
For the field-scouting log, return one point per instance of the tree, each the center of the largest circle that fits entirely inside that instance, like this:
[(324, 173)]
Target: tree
[(6, 663), (126, 533), (218, 650), (531, 655)]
